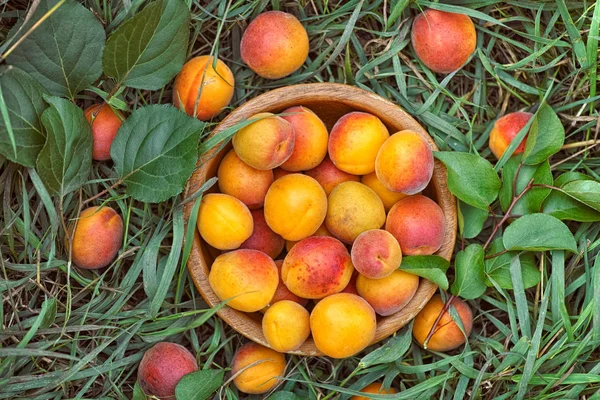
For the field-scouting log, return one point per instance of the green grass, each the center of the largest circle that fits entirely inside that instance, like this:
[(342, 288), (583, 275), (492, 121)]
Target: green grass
[(72, 334)]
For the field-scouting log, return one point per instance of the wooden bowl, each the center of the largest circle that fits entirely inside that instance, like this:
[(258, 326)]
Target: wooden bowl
[(329, 101)]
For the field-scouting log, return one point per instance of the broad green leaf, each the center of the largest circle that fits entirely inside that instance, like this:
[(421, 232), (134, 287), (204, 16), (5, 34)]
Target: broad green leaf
[(21, 133), (199, 385), (283, 395), (64, 53), (138, 393), (149, 49), (471, 178), (155, 152), (546, 136), (470, 220), (532, 201), (564, 207), (469, 279), (66, 159), (586, 191), (391, 351), (497, 269), (538, 232), (432, 268)]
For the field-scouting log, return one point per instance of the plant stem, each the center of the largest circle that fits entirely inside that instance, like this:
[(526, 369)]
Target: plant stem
[(437, 320), (102, 193)]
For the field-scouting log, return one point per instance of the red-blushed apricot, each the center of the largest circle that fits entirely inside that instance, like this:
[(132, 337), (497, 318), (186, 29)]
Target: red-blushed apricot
[(295, 206), (351, 286), (266, 143), (374, 388), (342, 325), (388, 198), (283, 293), (263, 238), (274, 45), (388, 295), (260, 377), (279, 172), (247, 278), (405, 163), (202, 88), (329, 176), (322, 231), (443, 41), (352, 209), (238, 179), (354, 142), (417, 222), (448, 335), (310, 146), (105, 123), (317, 267), (97, 237), (224, 222), (504, 131), (376, 254), (162, 367), (286, 325)]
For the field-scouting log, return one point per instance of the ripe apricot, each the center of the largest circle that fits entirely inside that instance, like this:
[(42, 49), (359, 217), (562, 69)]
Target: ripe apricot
[(374, 388), (261, 377), (274, 45), (97, 237), (504, 131), (310, 146), (279, 172), (376, 254), (388, 295), (329, 176), (448, 335), (354, 142), (282, 292), (263, 238), (202, 88), (322, 231), (286, 325), (443, 41), (224, 222), (388, 198), (351, 286), (105, 123), (342, 325)]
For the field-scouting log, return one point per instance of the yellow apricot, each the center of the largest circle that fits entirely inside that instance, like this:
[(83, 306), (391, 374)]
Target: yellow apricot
[(286, 325), (224, 222)]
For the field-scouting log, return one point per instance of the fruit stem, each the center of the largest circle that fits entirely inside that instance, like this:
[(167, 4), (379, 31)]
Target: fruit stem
[(437, 320), (102, 193)]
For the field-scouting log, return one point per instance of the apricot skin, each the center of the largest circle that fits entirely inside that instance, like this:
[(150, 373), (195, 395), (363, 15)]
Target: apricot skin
[(374, 388), (105, 123), (261, 377), (163, 366), (322, 231), (224, 222), (97, 238), (283, 293), (329, 176), (443, 41), (286, 326), (504, 131), (311, 139), (388, 295), (263, 238), (213, 85), (376, 254), (448, 335), (279, 172), (387, 197), (274, 45)]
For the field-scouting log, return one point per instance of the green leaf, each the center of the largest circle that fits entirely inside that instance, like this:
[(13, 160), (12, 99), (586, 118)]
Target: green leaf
[(155, 152), (586, 191), (469, 280), (148, 50), (283, 395), (546, 136), (497, 269), (21, 133), (64, 53), (538, 232), (199, 385), (564, 207), (532, 201), (393, 350), (470, 220), (138, 393), (471, 178), (432, 268), (66, 159)]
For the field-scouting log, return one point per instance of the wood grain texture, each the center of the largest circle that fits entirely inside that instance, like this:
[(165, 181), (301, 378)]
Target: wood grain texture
[(329, 101)]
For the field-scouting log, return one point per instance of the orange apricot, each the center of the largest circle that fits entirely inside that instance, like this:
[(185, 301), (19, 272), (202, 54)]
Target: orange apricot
[(286, 325), (310, 146), (260, 377), (224, 222), (504, 131), (376, 254), (322, 231), (282, 292), (263, 238), (388, 197), (374, 388), (329, 176), (279, 172), (388, 295), (105, 123)]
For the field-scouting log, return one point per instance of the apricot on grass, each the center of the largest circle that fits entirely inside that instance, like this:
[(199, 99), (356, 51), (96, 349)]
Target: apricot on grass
[(224, 222), (282, 292), (286, 325), (443, 41), (504, 131), (342, 325), (163, 366), (266, 143), (376, 254), (263, 238), (97, 237), (105, 123), (274, 45), (417, 222), (203, 89), (387, 197), (448, 335), (354, 142), (247, 278), (374, 388), (388, 295), (260, 377), (329, 176), (310, 146)]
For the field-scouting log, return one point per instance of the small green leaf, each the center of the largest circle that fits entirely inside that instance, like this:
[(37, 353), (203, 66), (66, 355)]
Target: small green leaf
[(471, 178), (497, 269), (469, 280), (538, 232), (199, 385), (138, 393), (586, 191), (396, 12), (546, 136), (393, 350), (532, 201), (283, 395), (470, 220), (565, 207), (432, 268)]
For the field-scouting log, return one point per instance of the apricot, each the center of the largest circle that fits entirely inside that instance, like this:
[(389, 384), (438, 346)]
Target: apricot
[(310, 146), (279, 172), (266, 143), (352, 209), (504, 131), (322, 231), (260, 377), (388, 295), (443, 41), (405, 163), (448, 335), (224, 222), (202, 88), (105, 123), (286, 325), (282, 292), (317, 267), (354, 142), (243, 182), (329, 176), (374, 388), (388, 198), (295, 206), (274, 45), (342, 325), (351, 286), (162, 367), (263, 238), (417, 222), (97, 237), (376, 254), (247, 278)]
